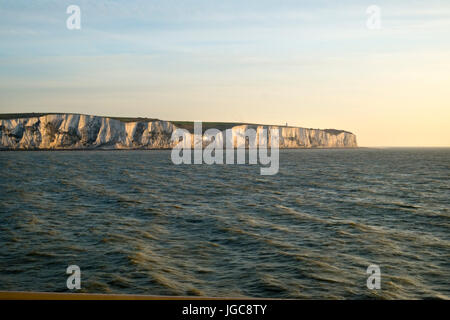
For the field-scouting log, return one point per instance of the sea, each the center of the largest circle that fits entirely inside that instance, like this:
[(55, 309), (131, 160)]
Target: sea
[(135, 223)]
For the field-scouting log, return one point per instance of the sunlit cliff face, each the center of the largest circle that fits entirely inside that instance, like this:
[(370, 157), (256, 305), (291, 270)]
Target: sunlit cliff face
[(74, 131)]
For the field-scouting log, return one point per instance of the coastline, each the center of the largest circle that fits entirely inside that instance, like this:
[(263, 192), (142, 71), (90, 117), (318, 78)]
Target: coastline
[(83, 132), (166, 149)]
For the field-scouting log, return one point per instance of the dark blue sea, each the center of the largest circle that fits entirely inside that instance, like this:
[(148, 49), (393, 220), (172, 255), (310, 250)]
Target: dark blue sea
[(136, 223)]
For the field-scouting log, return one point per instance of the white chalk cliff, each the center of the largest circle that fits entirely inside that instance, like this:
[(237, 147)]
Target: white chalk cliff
[(75, 131)]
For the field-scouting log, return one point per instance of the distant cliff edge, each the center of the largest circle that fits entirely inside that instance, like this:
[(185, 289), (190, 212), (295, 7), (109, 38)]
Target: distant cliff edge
[(34, 131)]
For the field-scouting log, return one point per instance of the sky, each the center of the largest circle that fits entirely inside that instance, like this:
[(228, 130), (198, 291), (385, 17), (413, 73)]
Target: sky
[(313, 64)]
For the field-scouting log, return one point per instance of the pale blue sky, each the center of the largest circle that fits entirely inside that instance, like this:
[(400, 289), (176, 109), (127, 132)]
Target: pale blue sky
[(308, 63)]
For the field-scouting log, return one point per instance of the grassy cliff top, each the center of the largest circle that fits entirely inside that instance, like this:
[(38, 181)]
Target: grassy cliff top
[(188, 125), (7, 116)]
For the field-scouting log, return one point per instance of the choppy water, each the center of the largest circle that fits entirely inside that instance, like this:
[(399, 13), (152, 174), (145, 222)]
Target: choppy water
[(136, 223)]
